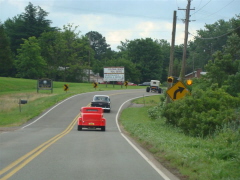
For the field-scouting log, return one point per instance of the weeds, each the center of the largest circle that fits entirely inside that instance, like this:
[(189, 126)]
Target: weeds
[(212, 158)]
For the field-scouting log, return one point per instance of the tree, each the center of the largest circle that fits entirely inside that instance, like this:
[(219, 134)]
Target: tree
[(233, 46), (219, 69), (6, 60), (209, 40), (236, 23), (98, 44), (31, 23), (78, 55), (29, 63), (234, 84), (52, 46), (68, 55), (34, 20), (15, 31), (147, 56), (165, 49), (177, 63)]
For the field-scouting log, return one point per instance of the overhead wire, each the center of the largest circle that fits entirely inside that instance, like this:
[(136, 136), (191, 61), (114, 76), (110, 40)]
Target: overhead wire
[(202, 7), (210, 38), (216, 11)]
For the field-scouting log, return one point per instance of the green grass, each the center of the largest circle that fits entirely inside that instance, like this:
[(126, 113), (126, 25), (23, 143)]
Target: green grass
[(148, 100), (195, 158), (14, 89)]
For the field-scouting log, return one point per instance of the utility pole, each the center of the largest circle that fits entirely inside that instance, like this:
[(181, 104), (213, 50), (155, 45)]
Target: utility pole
[(170, 71), (89, 65), (182, 74), (89, 38)]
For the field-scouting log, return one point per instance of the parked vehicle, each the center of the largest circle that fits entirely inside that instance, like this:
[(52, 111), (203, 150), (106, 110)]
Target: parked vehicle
[(91, 117), (154, 86), (102, 101), (131, 84), (145, 84)]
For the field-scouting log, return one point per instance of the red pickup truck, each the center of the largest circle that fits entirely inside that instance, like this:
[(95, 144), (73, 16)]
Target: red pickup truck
[(91, 117)]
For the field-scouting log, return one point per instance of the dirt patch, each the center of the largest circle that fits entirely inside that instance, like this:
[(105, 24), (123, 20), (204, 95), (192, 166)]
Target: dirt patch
[(136, 105), (6, 129)]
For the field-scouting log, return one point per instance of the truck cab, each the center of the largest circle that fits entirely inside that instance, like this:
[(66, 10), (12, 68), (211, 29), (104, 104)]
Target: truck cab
[(154, 86)]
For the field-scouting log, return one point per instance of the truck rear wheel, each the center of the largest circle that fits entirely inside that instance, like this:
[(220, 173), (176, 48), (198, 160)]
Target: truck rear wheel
[(148, 89), (159, 90)]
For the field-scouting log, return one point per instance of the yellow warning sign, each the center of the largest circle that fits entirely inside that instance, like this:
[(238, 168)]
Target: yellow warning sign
[(177, 91)]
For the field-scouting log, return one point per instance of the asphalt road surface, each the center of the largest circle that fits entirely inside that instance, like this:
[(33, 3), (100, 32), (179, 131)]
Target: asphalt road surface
[(49, 147)]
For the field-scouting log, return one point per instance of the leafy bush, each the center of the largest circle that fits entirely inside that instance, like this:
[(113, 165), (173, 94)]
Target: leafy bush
[(234, 84), (154, 112), (202, 112)]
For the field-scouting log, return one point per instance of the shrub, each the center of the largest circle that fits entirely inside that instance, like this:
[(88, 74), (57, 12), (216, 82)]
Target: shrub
[(202, 112)]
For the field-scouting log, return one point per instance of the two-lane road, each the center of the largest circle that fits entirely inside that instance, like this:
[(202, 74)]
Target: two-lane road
[(50, 147)]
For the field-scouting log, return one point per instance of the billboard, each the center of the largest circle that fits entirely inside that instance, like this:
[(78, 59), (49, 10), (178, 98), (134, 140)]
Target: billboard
[(114, 74)]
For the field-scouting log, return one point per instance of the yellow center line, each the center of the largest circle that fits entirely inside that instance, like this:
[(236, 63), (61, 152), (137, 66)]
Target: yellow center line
[(24, 160)]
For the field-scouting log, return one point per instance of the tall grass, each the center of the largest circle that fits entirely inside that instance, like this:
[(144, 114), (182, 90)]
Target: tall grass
[(215, 158)]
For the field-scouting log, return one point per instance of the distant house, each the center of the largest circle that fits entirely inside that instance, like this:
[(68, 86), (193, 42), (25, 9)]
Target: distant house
[(93, 77), (195, 74), (96, 78)]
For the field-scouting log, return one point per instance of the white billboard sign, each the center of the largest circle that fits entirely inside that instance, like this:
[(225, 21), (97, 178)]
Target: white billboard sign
[(114, 74)]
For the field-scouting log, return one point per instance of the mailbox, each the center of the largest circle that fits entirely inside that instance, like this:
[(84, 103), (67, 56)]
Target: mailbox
[(22, 101)]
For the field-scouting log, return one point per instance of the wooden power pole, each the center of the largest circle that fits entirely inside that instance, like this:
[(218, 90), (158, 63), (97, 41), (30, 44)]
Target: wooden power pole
[(170, 71), (182, 74)]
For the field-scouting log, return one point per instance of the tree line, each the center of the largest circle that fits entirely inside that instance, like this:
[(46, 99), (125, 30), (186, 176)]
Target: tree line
[(31, 48)]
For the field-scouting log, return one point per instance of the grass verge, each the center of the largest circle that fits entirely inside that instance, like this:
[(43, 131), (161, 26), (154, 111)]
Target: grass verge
[(14, 89), (195, 158)]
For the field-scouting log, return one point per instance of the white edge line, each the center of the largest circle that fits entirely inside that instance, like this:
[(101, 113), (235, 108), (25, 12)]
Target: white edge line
[(143, 156), (53, 108), (138, 150), (50, 110)]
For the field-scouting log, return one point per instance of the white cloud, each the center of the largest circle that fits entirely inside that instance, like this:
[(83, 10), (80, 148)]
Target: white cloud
[(121, 20), (115, 37), (146, 28)]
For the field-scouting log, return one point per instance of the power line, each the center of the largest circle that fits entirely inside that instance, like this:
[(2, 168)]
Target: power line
[(216, 36), (202, 7), (214, 12)]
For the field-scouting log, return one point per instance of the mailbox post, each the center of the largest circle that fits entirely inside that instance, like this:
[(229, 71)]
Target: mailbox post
[(21, 102)]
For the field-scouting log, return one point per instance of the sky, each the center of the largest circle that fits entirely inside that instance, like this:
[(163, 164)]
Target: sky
[(121, 20)]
